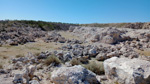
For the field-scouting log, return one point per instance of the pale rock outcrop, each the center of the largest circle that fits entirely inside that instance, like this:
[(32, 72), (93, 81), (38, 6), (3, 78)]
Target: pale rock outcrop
[(74, 75), (127, 71)]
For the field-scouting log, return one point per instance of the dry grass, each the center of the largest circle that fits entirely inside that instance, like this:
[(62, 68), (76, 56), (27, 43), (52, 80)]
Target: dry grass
[(19, 55), (28, 47), (8, 52), (78, 61), (5, 57), (52, 59), (68, 35), (95, 67), (75, 61), (83, 60), (145, 52), (37, 53)]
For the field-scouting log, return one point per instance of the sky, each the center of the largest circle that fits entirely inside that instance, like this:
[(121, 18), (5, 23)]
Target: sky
[(76, 11)]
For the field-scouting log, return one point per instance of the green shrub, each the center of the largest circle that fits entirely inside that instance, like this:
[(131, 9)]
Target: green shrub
[(97, 68), (52, 59)]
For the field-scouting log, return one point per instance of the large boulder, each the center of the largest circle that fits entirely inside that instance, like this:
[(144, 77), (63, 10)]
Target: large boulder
[(74, 75), (127, 71)]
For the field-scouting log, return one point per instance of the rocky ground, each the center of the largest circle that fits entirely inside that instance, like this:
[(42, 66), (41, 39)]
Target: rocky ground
[(80, 55)]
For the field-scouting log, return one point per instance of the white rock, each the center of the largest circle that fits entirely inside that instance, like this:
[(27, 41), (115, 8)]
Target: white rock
[(127, 71), (74, 75), (34, 82), (18, 79)]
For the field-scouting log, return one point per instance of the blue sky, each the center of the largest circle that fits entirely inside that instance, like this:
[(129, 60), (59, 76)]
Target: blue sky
[(76, 11)]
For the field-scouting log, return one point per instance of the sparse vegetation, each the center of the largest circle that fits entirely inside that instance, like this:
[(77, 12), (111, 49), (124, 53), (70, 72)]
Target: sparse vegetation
[(32, 48), (97, 68), (75, 61), (47, 26), (145, 52), (52, 59), (78, 61), (83, 60), (19, 55), (5, 57), (37, 53), (137, 25)]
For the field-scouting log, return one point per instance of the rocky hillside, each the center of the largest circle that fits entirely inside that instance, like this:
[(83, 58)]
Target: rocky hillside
[(74, 55), (47, 26), (121, 25), (19, 32)]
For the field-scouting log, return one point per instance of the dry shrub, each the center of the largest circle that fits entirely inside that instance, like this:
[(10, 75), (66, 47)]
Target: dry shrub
[(83, 60), (97, 68), (78, 61), (5, 57), (75, 61), (52, 59)]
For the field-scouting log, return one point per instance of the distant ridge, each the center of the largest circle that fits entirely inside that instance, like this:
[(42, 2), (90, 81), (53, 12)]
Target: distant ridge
[(138, 25), (48, 26)]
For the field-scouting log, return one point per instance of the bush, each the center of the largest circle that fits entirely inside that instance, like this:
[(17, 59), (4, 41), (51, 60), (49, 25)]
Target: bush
[(97, 68), (52, 59), (75, 61)]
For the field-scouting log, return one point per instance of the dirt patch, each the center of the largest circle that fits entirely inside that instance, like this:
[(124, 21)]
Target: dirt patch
[(8, 52), (68, 35), (145, 52)]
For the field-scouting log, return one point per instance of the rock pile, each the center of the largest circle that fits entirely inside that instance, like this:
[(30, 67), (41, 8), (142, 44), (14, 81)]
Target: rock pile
[(111, 35), (15, 36), (27, 76), (54, 37)]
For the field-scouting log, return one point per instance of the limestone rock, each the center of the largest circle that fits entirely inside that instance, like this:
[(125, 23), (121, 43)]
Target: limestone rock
[(34, 82), (127, 71), (101, 57), (18, 78), (74, 75)]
